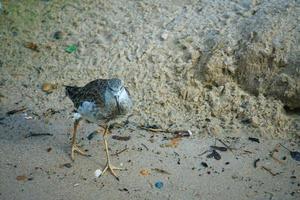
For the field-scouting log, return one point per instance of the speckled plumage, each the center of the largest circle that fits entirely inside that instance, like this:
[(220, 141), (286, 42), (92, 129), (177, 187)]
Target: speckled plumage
[(100, 100)]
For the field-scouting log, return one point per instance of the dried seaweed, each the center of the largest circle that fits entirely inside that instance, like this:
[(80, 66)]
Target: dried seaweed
[(121, 138), (253, 139), (162, 171), (255, 162), (12, 112), (214, 154), (218, 148), (31, 134), (32, 46)]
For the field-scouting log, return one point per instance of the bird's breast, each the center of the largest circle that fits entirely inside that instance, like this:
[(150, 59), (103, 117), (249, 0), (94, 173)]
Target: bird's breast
[(89, 111), (121, 107)]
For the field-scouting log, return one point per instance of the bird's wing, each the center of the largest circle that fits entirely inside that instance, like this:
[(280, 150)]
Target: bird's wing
[(93, 92)]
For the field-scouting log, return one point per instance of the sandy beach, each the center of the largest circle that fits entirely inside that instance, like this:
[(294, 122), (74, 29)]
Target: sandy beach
[(227, 71)]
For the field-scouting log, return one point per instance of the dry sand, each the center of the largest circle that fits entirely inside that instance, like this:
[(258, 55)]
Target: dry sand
[(168, 53)]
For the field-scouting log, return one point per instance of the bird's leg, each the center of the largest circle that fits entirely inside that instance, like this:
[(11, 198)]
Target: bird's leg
[(75, 148), (108, 166)]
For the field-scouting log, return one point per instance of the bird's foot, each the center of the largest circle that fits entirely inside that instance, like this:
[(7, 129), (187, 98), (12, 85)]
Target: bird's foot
[(75, 148), (111, 169)]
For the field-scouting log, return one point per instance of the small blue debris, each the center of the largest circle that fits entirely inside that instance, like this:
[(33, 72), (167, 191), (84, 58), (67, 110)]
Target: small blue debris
[(295, 155), (159, 184)]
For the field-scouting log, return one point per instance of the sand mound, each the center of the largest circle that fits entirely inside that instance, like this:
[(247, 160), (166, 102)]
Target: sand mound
[(186, 64)]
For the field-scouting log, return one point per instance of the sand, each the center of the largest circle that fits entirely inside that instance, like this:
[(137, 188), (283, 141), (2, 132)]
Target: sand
[(171, 56)]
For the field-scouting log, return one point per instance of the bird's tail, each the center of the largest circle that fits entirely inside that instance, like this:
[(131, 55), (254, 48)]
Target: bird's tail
[(71, 91)]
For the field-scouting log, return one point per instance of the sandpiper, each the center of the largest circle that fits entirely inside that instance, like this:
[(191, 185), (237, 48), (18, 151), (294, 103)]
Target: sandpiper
[(99, 101)]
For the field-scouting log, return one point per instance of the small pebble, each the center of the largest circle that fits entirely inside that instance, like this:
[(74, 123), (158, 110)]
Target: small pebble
[(159, 184), (164, 35), (204, 164), (58, 35), (27, 117), (76, 184), (98, 173), (67, 165), (48, 87), (124, 189)]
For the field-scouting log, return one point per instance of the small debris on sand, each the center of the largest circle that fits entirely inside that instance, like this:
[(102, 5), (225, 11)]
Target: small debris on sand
[(58, 35), (187, 133), (144, 172), (214, 154), (22, 178), (18, 110), (49, 87), (162, 171), (31, 134), (98, 173), (253, 139), (204, 164), (67, 165), (255, 162), (159, 184), (218, 148), (121, 138), (32, 46), (92, 135)]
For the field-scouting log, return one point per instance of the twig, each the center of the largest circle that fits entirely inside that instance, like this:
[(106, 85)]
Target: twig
[(283, 147), (145, 146), (121, 138), (247, 151), (228, 147), (204, 152), (16, 111), (154, 129), (37, 134), (269, 170), (161, 171), (119, 152)]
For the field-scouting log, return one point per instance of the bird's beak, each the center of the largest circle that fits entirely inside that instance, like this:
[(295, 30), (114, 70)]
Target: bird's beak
[(118, 104)]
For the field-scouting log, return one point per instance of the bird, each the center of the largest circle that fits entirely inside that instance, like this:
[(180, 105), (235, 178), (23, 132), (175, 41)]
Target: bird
[(99, 101)]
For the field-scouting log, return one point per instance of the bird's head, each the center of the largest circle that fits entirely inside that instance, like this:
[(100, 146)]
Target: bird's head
[(115, 86)]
